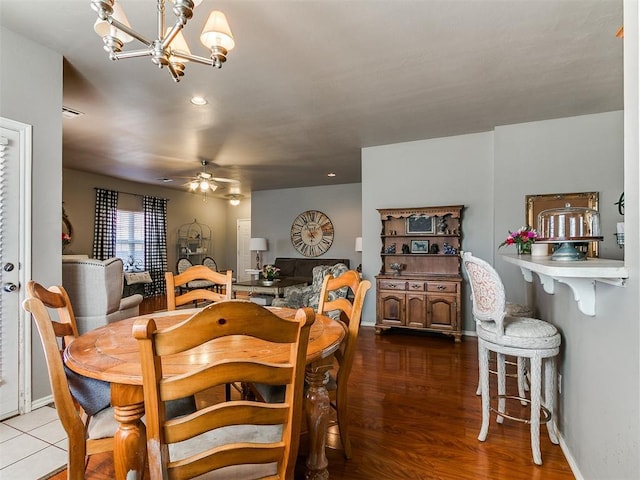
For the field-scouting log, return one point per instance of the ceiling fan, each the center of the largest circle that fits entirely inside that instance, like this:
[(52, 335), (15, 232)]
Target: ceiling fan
[(204, 181)]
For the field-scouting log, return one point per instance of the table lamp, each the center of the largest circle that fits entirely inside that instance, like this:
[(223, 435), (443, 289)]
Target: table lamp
[(259, 245)]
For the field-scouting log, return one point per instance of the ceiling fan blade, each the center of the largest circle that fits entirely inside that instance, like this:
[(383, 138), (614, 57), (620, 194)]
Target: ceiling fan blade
[(224, 180)]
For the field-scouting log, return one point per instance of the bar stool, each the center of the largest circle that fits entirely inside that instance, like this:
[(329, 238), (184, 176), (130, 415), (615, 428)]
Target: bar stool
[(535, 340), (515, 310)]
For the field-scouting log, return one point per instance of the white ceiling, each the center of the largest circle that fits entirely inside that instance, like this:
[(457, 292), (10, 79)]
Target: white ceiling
[(310, 82)]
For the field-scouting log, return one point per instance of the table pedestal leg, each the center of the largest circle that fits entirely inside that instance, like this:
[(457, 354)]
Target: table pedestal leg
[(130, 440), (317, 407)]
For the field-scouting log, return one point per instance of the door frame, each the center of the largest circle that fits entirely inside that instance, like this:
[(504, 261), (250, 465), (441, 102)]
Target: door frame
[(25, 133)]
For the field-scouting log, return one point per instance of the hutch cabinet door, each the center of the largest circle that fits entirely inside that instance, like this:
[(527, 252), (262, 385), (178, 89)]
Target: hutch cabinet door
[(442, 311), (416, 311), (391, 308)]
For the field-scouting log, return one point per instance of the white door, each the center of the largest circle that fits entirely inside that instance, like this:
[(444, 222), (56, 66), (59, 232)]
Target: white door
[(242, 250), (15, 167)]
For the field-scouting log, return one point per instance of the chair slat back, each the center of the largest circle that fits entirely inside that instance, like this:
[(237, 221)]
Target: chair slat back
[(196, 273), (350, 313), (487, 291), (216, 323), (38, 302)]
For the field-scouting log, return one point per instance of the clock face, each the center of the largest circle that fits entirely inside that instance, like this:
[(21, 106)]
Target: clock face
[(312, 233)]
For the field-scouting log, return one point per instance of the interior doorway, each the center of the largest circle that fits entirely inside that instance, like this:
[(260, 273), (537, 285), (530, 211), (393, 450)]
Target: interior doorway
[(15, 266)]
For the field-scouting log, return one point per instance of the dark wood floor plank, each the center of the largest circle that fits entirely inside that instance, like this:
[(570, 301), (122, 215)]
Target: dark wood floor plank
[(414, 415)]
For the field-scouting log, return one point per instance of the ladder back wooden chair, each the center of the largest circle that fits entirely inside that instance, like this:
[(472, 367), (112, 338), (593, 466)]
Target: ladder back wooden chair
[(239, 439), (88, 433), (350, 313), (197, 291), (334, 302)]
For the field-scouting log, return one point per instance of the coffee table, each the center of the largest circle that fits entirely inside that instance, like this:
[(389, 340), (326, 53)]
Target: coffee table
[(261, 287)]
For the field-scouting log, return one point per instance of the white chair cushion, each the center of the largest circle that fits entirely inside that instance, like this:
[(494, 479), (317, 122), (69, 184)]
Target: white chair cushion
[(518, 310), (200, 284), (102, 424), (224, 435), (521, 332)]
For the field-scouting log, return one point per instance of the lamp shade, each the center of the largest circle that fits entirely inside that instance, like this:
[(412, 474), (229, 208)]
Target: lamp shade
[(258, 244), (103, 28), (216, 32), (179, 43), (358, 244)]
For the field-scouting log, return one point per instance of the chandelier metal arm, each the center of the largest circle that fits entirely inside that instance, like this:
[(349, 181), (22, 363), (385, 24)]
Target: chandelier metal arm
[(128, 30), (212, 62), (174, 73), (131, 54), (171, 34)]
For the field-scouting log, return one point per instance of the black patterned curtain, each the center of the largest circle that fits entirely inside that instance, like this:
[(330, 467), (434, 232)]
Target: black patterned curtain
[(104, 226), (155, 243)]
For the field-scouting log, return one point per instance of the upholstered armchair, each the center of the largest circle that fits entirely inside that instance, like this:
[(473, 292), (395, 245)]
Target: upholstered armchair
[(95, 290), (309, 296)]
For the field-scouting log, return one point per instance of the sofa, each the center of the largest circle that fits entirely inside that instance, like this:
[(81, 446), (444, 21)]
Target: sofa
[(309, 296), (303, 267), (95, 290)]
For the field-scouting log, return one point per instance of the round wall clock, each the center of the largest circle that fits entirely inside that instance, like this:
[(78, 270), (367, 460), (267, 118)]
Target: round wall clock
[(312, 233)]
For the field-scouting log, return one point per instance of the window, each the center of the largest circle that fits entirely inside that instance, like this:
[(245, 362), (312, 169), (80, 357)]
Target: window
[(130, 239)]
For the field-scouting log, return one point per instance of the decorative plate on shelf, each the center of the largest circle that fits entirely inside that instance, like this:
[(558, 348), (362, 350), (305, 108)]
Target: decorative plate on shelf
[(312, 233)]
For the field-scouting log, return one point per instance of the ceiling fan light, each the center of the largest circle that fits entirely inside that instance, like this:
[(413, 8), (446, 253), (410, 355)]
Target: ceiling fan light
[(217, 33), (103, 28), (204, 186), (194, 185)]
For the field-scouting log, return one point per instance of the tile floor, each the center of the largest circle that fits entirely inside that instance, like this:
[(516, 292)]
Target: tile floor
[(32, 446)]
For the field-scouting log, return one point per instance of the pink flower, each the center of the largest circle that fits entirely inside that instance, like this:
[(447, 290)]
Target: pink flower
[(524, 236)]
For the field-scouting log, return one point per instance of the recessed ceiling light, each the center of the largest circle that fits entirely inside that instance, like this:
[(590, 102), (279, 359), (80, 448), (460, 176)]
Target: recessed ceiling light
[(331, 174), (198, 100), (165, 179)]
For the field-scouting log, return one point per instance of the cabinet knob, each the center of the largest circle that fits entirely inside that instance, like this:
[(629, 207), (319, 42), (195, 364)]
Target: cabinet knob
[(441, 287)]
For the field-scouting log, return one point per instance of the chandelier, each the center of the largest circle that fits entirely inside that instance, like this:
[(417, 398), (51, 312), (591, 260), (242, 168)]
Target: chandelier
[(169, 49)]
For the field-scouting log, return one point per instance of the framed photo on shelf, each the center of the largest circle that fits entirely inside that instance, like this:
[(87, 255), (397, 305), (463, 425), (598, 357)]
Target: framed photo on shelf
[(419, 246), (420, 224)]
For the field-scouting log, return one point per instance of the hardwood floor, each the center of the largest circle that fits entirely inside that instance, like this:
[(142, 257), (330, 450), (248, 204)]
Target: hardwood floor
[(414, 415)]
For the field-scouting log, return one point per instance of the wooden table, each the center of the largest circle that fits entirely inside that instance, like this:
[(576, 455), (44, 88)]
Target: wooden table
[(110, 353), (276, 288)]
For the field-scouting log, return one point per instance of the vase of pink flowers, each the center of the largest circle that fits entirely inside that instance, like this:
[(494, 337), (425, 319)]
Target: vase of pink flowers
[(522, 238)]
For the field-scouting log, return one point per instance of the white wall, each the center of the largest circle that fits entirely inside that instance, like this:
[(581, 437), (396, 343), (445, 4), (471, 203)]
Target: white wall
[(273, 212), (31, 93), (491, 173), (577, 154), (444, 171), (599, 355)]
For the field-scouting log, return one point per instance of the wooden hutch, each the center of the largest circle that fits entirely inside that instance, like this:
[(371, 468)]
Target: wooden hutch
[(419, 284)]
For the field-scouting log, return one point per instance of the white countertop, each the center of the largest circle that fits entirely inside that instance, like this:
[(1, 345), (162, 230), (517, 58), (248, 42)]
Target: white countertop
[(579, 275)]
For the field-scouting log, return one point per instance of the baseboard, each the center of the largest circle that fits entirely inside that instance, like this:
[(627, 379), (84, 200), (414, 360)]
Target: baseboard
[(42, 402), (570, 460)]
